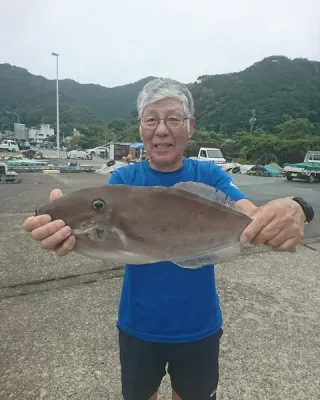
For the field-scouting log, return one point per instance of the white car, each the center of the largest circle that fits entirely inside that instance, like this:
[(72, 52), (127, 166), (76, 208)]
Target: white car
[(78, 154), (97, 151)]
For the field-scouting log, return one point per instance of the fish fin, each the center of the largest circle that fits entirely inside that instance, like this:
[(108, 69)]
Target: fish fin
[(208, 192), (120, 257), (217, 256)]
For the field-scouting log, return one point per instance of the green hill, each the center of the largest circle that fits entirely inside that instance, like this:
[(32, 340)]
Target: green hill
[(277, 88)]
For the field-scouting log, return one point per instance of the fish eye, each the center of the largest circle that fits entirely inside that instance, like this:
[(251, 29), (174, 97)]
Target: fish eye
[(98, 204)]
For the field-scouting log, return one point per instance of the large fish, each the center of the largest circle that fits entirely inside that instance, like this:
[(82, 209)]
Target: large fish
[(190, 224)]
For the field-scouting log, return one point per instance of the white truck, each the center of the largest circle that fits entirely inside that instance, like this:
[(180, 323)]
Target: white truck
[(312, 156), (308, 170), (8, 176), (211, 154), (8, 145)]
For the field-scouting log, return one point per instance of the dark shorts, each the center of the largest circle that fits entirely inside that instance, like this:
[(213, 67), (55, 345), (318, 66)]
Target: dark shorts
[(193, 367)]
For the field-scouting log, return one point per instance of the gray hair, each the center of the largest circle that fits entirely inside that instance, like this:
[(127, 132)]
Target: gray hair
[(162, 88)]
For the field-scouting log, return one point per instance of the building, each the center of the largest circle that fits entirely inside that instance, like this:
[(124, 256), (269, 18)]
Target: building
[(20, 131), (33, 134), (40, 135)]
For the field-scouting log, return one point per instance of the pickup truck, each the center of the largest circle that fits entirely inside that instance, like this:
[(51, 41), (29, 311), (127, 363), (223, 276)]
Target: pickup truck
[(8, 145), (308, 170), (312, 156), (211, 154)]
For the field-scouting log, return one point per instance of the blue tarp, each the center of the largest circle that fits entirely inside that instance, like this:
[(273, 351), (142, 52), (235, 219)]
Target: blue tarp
[(273, 169), (136, 145)]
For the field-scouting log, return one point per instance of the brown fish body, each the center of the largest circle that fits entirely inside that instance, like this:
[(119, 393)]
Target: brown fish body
[(188, 223)]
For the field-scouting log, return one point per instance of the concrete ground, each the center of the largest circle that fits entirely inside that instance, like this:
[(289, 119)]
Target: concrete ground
[(58, 338)]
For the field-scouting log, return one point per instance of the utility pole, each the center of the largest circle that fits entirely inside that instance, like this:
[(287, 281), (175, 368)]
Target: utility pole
[(17, 115), (252, 120), (57, 82)]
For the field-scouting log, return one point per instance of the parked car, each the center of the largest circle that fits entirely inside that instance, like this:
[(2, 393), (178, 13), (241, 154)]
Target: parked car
[(101, 151), (78, 154)]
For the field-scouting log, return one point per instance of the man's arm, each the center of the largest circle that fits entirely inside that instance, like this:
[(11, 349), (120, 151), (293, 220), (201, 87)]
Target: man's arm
[(52, 235), (247, 207), (278, 224)]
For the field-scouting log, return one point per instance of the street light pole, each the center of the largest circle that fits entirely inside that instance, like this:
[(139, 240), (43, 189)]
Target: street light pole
[(58, 129), (10, 112)]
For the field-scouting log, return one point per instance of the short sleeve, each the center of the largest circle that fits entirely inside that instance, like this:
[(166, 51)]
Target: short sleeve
[(116, 178), (222, 181)]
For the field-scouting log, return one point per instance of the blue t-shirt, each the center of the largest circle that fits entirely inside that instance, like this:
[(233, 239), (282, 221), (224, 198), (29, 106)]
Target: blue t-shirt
[(162, 302)]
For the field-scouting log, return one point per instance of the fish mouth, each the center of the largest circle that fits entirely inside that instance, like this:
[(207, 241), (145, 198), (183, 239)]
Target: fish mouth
[(94, 233)]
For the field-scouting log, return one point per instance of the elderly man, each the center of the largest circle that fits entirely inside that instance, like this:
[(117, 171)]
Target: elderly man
[(170, 316)]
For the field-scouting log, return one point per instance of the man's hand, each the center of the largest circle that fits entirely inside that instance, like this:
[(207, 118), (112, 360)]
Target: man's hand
[(53, 235), (278, 224)]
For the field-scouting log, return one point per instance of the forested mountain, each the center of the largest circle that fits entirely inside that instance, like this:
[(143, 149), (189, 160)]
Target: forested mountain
[(34, 99), (276, 88)]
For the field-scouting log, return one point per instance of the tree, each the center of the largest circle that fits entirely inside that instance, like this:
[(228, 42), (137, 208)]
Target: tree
[(117, 124), (265, 147), (192, 148), (295, 128), (77, 142)]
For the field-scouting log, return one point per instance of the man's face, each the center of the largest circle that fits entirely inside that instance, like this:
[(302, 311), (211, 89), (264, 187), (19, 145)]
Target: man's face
[(165, 144)]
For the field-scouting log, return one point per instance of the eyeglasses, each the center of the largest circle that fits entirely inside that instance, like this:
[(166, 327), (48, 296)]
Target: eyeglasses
[(171, 121)]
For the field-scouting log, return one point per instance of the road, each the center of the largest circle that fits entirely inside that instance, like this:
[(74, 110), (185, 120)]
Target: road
[(260, 190), (58, 339)]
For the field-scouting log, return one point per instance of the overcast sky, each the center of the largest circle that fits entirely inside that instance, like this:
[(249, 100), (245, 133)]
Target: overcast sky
[(114, 42)]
